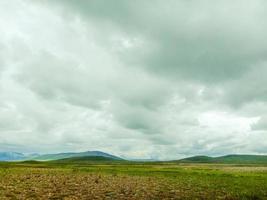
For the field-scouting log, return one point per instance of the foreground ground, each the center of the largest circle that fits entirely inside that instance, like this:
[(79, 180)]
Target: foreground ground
[(130, 181)]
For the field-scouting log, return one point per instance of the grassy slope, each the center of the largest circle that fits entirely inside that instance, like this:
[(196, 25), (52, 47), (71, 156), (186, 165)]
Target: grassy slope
[(229, 159)]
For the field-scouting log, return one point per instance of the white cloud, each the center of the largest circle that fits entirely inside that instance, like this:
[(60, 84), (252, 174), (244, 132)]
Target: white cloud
[(75, 81)]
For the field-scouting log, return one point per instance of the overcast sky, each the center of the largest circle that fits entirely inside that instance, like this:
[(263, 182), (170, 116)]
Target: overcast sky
[(160, 79)]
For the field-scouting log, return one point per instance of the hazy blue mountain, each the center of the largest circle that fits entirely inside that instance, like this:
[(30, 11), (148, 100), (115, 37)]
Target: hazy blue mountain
[(11, 156), (228, 159), (74, 154)]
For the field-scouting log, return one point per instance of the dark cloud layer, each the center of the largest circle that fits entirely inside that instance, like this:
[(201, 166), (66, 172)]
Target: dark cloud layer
[(161, 79), (204, 40)]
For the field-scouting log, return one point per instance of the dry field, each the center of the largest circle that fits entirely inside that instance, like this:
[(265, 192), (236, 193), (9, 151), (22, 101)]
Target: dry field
[(131, 182)]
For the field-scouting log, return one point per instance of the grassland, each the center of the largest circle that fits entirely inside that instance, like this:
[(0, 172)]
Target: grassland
[(135, 181)]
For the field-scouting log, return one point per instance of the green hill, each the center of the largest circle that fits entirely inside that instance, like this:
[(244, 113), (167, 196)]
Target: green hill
[(197, 159), (228, 159), (85, 159)]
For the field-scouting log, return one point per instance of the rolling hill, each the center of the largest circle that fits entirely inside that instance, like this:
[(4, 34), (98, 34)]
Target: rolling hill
[(85, 159), (228, 159), (58, 156), (102, 156)]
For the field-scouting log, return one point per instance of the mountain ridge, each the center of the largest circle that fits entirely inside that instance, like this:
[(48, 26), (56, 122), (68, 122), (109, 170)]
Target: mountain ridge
[(227, 159), (85, 159), (57, 156), (11, 156), (16, 156)]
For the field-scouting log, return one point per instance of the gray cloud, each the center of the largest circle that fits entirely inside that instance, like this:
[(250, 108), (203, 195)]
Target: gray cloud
[(210, 41), (261, 124), (166, 80), (249, 88)]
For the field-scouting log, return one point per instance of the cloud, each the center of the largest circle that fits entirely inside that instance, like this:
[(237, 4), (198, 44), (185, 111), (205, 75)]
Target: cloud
[(138, 79), (207, 41), (261, 124), (250, 88)]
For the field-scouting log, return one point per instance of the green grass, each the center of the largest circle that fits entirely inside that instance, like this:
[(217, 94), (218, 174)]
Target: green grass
[(145, 180)]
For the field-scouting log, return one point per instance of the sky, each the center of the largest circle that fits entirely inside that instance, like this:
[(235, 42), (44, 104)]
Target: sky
[(161, 79)]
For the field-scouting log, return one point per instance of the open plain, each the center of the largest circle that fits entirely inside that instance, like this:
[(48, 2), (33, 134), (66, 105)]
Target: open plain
[(135, 181)]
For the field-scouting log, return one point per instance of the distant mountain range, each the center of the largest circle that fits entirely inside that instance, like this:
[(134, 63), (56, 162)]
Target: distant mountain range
[(14, 156), (11, 156), (85, 159), (102, 156), (228, 159), (72, 154)]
